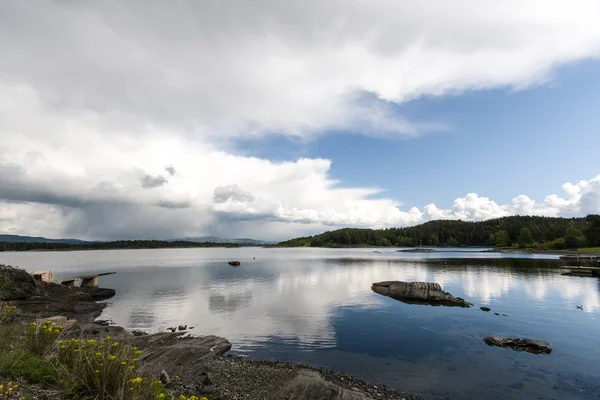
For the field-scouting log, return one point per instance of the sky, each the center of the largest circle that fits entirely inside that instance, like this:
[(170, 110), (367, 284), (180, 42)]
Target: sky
[(271, 120)]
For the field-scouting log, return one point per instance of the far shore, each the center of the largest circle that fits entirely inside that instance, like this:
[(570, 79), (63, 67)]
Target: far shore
[(593, 252)]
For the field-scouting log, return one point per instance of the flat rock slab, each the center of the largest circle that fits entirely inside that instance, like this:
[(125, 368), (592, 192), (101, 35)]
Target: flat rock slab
[(518, 344), (418, 293), (310, 385), (171, 350)]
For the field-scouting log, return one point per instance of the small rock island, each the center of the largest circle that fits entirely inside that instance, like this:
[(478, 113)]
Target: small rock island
[(418, 293)]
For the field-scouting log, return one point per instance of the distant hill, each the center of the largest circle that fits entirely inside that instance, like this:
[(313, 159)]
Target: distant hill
[(215, 239), (200, 239), (524, 231), (27, 243), (38, 239)]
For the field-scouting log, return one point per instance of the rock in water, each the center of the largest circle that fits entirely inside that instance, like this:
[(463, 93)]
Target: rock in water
[(486, 309), (418, 293), (518, 344)]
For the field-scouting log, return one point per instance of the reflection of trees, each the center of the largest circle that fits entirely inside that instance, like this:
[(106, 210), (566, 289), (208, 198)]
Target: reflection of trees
[(229, 304)]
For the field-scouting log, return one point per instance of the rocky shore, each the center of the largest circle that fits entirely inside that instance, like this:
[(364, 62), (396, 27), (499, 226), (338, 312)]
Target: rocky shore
[(186, 363)]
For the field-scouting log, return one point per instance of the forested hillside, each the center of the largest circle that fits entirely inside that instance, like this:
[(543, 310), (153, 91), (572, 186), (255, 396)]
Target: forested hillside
[(524, 231), (120, 244)]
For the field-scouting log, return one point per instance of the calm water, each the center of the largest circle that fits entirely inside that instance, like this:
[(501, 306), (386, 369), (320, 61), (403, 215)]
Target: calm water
[(316, 306)]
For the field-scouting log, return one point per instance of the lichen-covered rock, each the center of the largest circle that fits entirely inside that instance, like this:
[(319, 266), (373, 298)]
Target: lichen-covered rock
[(418, 293), (16, 284), (518, 344)]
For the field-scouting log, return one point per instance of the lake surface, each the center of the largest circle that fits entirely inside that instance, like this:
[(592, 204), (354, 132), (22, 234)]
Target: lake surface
[(316, 306)]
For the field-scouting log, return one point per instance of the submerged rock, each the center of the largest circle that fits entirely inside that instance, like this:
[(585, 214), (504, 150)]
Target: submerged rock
[(518, 344), (418, 293)]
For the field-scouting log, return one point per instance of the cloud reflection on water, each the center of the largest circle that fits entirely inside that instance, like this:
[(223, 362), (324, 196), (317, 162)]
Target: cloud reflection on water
[(296, 302)]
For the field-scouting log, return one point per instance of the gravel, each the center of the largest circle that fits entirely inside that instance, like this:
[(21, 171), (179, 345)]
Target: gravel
[(237, 378)]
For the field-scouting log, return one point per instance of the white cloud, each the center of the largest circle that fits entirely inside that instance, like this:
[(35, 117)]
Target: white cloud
[(246, 68), (98, 97)]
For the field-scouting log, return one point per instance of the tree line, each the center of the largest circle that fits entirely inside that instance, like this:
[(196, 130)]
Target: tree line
[(119, 244), (521, 231)]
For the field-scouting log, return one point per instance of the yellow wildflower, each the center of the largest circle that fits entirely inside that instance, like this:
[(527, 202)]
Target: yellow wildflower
[(112, 358), (123, 363), (160, 396), (91, 341), (182, 397)]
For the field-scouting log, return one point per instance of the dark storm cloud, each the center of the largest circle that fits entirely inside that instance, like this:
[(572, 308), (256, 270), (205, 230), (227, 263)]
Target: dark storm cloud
[(130, 221), (16, 186), (231, 192), (174, 204), (151, 182)]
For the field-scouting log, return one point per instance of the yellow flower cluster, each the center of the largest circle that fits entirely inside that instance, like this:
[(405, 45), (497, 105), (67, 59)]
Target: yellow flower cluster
[(9, 390), (182, 397)]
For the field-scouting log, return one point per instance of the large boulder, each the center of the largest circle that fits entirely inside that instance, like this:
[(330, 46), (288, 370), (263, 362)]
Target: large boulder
[(171, 350), (309, 384), (418, 293), (15, 284), (518, 344)]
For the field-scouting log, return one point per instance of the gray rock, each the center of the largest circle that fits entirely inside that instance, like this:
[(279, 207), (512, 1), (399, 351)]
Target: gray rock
[(418, 293), (171, 350), (182, 327), (164, 378), (486, 309), (518, 344), (16, 284), (309, 384), (204, 379)]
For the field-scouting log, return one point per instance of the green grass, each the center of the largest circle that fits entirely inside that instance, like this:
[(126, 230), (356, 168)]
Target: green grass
[(590, 250)]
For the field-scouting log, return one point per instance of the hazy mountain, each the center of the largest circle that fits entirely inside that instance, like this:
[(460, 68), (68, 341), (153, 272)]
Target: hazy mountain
[(38, 239)]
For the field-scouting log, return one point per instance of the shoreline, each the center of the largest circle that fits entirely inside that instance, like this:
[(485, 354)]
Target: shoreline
[(201, 364)]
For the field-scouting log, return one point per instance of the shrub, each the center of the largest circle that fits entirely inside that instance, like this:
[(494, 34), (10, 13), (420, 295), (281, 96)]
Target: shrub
[(7, 313), (39, 338), (105, 369)]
